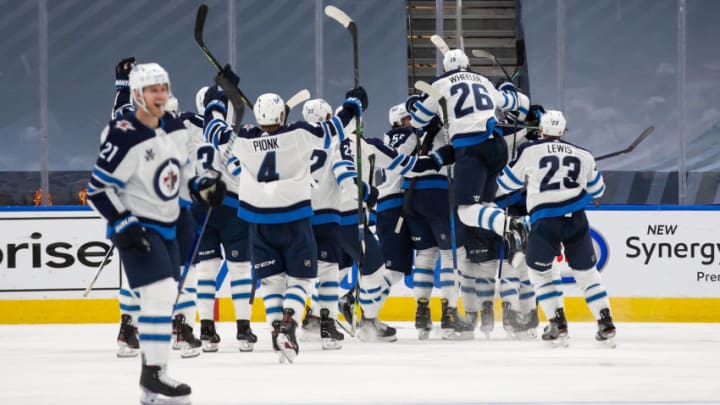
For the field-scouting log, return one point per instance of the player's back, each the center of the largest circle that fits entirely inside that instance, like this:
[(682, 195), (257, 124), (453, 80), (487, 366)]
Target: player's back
[(557, 173), (471, 101), (275, 174)]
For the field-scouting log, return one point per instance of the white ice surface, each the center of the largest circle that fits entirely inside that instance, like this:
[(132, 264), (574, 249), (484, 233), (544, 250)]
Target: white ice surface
[(653, 364)]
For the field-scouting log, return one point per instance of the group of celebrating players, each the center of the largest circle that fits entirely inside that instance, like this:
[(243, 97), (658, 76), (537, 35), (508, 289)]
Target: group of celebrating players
[(472, 176)]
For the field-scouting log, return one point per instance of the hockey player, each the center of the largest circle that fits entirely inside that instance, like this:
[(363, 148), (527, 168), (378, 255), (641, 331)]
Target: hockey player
[(227, 233), (480, 155), (275, 200), (134, 186), (329, 173), (128, 345), (561, 179)]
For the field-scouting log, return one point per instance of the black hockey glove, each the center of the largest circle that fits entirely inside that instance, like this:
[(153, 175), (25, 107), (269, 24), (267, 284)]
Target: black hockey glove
[(208, 188), (433, 127), (443, 156), (122, 72), (370, 194), (359, 94), (130, 235), (230, 76), (215, 100)]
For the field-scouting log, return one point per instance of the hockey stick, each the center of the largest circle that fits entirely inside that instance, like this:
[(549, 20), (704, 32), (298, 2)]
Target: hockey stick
[(479, 53), (196, 247), (440, 44), (428, 89), (632, 146), (98, 271), (299, 97), (343, 19), (199, 26)]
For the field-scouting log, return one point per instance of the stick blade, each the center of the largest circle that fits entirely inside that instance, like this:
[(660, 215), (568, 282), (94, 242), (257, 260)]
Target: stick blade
[(479, 53), (427, 88), (299, 97), (338, 15), (440, 43), (649, 130), (200, 24)]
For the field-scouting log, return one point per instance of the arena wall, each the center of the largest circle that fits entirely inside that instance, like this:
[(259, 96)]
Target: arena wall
[(659, 263)]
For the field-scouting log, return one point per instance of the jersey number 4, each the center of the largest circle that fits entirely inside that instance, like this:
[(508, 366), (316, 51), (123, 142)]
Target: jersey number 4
[(479, 93), (552, 162), (268, 169)]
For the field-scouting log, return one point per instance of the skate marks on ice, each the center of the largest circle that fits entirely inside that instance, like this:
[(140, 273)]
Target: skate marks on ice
[(653, 364)]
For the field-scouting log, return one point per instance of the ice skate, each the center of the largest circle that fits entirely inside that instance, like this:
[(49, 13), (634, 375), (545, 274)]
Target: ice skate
[(208, 336), (471, 317), (331, 338), (423, 320), (158, 388), (524, 325), (286, 341), (274, 335), (372, 330), (556, 331), (454, 328), (245, 336), (310, 327), (606, 329), (127, 340), (189, 344), (487, 318)]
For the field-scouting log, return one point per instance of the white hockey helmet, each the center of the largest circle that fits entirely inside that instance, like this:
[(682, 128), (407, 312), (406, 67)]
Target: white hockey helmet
[(269, 109), (144, 75), (200, 104), (455, 59), (396, 114), (553, 123), (316, 110)]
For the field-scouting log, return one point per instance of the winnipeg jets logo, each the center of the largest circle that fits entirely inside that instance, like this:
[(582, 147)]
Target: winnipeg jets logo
[(167, 180), (124, 125), (149, 154)]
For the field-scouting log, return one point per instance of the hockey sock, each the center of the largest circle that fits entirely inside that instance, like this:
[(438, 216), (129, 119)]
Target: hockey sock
[(129, 300), (390, 278), (186, 303), (424, 272), (448, 279), (327, 288), (592, 287), (296, 295), (370, 292), (155, 320), (527, 294), (274, 290), (206, 273), (510, 286), (547, 290), (485, 280), (240, 287), (483, 216)]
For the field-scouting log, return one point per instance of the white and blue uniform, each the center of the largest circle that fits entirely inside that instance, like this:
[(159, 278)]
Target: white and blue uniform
[(561, 179), (139, 170)]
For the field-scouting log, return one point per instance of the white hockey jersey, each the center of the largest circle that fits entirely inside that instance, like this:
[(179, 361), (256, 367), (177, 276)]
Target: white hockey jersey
[(332, 177), (560, 178), (139, 170), (275, 168), (471, 102)]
